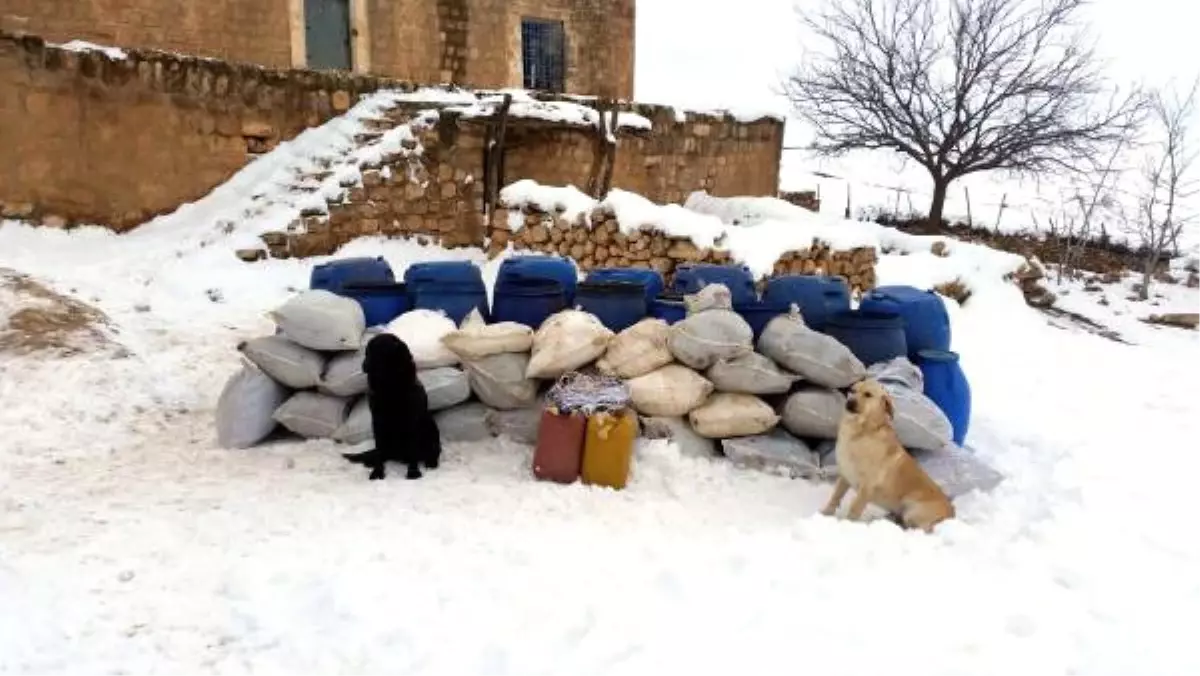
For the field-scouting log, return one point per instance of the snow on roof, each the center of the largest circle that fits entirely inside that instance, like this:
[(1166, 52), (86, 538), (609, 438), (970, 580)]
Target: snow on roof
[(114, 53), (524, 106)]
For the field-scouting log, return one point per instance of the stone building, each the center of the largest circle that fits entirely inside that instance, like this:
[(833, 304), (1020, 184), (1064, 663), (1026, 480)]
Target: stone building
[(567, 46)]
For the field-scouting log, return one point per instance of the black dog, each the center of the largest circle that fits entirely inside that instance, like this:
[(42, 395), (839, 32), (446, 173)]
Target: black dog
[(404, 429)]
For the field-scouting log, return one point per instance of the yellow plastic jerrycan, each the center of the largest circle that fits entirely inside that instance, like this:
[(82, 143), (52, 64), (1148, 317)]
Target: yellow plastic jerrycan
[(608, 449)]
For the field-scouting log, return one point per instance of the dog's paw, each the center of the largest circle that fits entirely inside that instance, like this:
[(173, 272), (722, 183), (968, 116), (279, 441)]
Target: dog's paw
[(431, 464), (829, 511), (413, 473), (377, 474)]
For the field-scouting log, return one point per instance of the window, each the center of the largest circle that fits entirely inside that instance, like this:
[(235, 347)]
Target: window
[(543, 54)]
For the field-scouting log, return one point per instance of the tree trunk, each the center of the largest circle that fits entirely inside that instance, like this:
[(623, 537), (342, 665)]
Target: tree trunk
[(939, 201), (1148, 276)]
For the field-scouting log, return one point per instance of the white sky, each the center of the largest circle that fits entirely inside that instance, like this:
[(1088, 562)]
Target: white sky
[(727, 52)]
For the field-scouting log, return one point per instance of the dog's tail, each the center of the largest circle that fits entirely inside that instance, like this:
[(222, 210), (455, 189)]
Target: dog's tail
[(368, 458)]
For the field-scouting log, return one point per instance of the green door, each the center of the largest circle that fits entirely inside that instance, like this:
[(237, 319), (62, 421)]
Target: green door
[(327, 34)]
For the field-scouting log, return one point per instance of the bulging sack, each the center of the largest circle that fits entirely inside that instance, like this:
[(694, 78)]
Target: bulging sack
[(499, 381), (711, 297), (444, 387), (774, 452), (464, 423), (899, 371), (519, 425), (701, 340), (477, 339), (750, 373), (637, 350), (567, 341), (321, 320), (357, 427), (344, 375), (312, 415), (815, 356), (680, 432), (919, 423), (727, 415), (292, 365), (814, 413), (423, 330), (246, 407), (671, 391)]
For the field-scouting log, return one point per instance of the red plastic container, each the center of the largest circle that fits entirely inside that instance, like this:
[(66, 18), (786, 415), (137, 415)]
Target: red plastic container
[(558, 455)]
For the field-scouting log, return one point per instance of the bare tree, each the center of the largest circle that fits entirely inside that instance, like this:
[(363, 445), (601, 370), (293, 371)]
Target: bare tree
[(1168, 180), (960, 86)]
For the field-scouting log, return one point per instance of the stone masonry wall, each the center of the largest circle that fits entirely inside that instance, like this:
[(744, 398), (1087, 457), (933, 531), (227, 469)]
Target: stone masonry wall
[(439, 194), (254, 31), (475, 43), (85, 138)]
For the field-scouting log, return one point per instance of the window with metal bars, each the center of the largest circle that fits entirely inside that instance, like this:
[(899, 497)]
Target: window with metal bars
[(543, 54)]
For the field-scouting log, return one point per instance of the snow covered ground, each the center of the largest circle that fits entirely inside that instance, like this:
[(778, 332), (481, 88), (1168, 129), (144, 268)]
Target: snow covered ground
[(130, 543)]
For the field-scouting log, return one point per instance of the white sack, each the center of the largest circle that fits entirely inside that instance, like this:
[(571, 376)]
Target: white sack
[(313, 415), (637, 350), (711, 297), (343, 375), (919, 423), (292, 365), (679, 431), (958, 471), (817, 357), (774, 452), (464, 423), (727, 415), (567, 341), (671, 391), (357, 427), (814, 413), (520, 425), (899, 371), (321, 320), (423, 330), (444, 387), (750, 373), (477, 339), (246, 406), (703, 339), (499, 381)]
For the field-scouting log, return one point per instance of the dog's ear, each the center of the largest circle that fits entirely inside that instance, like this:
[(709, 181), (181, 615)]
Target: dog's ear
[(889, 406)]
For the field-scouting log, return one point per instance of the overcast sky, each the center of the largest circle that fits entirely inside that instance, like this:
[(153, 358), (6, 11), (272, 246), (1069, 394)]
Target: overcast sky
[(730, 52)]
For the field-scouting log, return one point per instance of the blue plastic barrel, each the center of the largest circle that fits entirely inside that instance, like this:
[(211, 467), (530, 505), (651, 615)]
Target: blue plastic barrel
[(760, 313), (818, 296), (441, 271), (926, 324), (561, 270), (456, 299), (618, 305), (527, 301), (873, 337), (332, 276), (650, 280), (946, 385), (668, 307), (381, 301), (691, 278)]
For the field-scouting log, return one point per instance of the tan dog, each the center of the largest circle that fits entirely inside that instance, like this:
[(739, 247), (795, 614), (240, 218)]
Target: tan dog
[(871, 460)]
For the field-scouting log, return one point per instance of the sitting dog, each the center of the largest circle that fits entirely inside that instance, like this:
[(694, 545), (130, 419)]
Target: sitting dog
[(402, 425), (871, 460)]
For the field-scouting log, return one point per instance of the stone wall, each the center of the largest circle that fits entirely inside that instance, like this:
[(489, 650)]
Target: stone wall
[(118, 140), (475, 43), (716, 153), (254, 31), (438, 195)]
